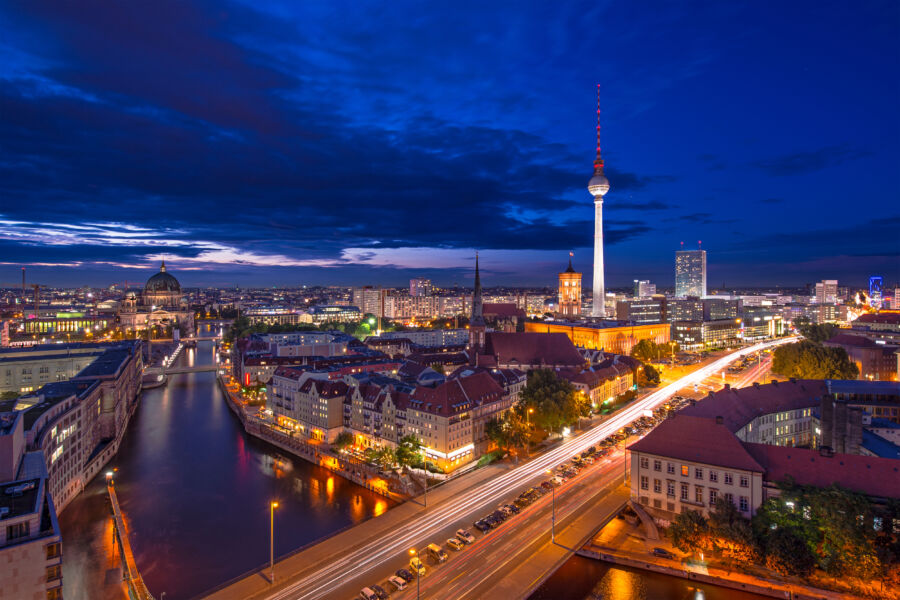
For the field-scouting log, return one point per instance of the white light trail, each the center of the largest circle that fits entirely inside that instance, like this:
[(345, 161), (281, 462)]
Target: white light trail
[(410, 535)]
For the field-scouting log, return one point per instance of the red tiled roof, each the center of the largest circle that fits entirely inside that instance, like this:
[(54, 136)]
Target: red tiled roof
[(326, 389), (502, 310), (697, 439), (594, 377), (893, 318), (846, 339), (740, 406), (457, 395), (870, 475), (532, 348)]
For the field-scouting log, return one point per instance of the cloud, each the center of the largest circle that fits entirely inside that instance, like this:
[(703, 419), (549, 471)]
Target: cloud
[(801, 163)]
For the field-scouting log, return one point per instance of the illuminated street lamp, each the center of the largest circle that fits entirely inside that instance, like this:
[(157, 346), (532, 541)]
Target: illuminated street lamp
[(109, 476), (415, 553), (272, 507), (553, 513)]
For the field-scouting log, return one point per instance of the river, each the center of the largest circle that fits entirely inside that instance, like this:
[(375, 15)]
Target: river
[(195, 491)]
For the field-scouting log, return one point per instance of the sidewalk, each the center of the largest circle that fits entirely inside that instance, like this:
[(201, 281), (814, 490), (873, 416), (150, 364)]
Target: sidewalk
[(623, 542)]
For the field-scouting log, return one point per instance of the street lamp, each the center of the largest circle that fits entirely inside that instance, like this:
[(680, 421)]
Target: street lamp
[(415, 553), (553, 513), (272, 507), (109, 476)]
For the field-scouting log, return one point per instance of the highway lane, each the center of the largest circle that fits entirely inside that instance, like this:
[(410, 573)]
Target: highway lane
[(360, 561)]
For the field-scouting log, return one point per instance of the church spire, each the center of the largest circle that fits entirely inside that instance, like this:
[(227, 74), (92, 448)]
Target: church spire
[(477, 303), (162, 268)]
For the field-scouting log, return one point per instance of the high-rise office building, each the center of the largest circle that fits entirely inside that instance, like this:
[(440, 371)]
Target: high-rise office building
[(690, 273), (827, 291), (419, 286), (643, 289), (368, 300), (569, 292)]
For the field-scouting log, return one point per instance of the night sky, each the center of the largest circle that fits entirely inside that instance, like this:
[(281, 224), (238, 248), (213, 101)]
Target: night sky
[(289, 143)]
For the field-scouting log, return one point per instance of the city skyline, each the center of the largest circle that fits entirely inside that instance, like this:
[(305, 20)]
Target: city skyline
[(235, 153)]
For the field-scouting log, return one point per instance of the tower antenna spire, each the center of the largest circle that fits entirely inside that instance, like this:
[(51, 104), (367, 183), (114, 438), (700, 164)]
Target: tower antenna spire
[(598, 162)]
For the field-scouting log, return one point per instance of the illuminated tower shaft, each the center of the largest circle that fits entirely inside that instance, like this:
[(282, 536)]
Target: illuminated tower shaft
[(598, 186), (599, 292)]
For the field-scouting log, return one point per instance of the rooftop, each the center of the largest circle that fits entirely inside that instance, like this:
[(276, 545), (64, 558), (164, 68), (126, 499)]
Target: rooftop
[(107, 364), (697, 439), (530, 348), (20, 497), (879, 446)]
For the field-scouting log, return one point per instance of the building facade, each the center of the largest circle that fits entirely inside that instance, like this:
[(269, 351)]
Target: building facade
[(690, 273), (614, 337), (569, 292)]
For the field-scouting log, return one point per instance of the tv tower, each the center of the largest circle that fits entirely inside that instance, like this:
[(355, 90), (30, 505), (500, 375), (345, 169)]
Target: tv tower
[(598, 186)]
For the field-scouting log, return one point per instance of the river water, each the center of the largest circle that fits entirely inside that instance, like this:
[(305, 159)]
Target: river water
[(195, 492)]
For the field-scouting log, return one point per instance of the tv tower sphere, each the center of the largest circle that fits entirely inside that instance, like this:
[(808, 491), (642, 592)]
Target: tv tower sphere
[(598, 185)]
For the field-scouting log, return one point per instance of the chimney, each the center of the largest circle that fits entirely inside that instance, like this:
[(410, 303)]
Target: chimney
[(720, 420)]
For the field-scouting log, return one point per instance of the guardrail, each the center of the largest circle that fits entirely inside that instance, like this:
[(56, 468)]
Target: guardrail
[(135, 582)]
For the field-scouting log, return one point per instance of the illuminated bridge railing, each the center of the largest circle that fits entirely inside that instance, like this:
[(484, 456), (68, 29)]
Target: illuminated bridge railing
[(136, 586)]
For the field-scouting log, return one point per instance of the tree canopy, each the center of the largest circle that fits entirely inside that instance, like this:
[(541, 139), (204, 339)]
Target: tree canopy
[(809, 360), (555, 401), (647, 350), (813, 332), (509, 432)]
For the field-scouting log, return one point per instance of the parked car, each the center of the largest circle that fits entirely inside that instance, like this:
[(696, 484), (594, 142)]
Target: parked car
[(465, 536), (513, 508), (546, 485), (417, 566), (398, 582), (662, 553), (454, 543), (437, 553), (589, 460), (368, 593), (380, 592), (482, 525), (404, 575)]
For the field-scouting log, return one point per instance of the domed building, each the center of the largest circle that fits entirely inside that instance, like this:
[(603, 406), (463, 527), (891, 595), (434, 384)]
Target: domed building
[(162, 290), (160, 304)]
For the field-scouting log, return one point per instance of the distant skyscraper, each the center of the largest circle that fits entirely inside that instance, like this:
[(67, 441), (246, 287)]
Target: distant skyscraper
[(690, 273), (598, 186), (419, 286), (368, 300), (876, 285), (570, 292), (643, 289), (827, 291), (477, 325)]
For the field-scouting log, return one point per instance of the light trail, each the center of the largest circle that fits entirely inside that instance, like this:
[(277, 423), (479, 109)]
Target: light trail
[(363, 559)]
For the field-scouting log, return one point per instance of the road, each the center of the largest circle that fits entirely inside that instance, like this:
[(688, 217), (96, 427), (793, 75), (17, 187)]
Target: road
[(358, 565)]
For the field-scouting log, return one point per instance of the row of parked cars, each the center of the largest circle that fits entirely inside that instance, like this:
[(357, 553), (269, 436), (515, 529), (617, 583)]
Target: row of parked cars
[(399, 580)]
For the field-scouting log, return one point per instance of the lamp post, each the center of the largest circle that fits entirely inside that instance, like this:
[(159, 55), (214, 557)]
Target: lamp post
[(528, 427), (415, 553), (272, 507), (553, 511)]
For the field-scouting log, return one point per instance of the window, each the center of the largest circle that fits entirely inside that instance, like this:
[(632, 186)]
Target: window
[(684, 491), (685, 470), (698, 494), (728, 479), (698, 473), (745, 481), (54, 594), (670, 489), (16, 531), (714, 476), (52, 550), (53, 572), (729, 498), (645, 462), (657, 486), (657, 465), (670, 468), (744, 504), (645, 483)]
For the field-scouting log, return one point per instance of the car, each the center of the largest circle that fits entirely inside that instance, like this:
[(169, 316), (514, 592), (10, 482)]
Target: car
[(465, 536), (499, 515), (482, 525), (437, 553), (546, 485), (662, 553), (417, 566), (455, 543), (368, 593), (504, 509), (379, 591), (513, 508), (405, 575), (398, 582)]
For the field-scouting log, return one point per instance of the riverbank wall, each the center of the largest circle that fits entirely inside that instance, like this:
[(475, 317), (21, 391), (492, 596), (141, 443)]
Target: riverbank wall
[(357, 472)]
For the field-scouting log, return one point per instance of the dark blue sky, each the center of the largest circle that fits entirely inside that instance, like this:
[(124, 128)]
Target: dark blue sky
[(343, 142)]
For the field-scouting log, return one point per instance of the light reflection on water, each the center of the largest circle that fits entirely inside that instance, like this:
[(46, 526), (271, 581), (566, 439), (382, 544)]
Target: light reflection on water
[(195, 490), (586, 579)]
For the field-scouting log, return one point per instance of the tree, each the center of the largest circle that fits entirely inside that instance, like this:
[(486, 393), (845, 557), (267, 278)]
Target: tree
[(509, 432), (813, 332), (809, 360), (648, 350), (787, 553), (385, 457), (648, 375), (731, 532), (343, 440), (690, 532), (555, 401), (408, 451)]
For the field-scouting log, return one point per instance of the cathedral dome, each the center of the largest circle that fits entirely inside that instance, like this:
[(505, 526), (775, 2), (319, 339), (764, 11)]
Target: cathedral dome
[(162, 282)]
